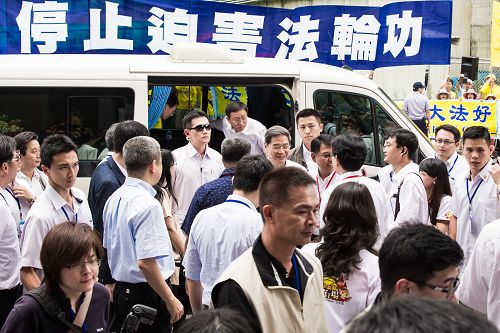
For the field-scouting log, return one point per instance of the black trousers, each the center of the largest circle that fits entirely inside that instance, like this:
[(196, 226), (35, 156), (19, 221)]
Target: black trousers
[(422, 125), (126, 295), (7, 300)]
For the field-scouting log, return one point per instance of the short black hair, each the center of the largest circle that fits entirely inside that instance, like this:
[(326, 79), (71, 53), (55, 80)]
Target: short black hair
[(404, 138), (221, 320), (415, 252), (350, 150), (308, 113), (420, 315), (172, 99), (7, 147), (235, 106), (477, 132), (56, 144), (126, 130), (22, 139), (451, 129), (187, 120), (232, 150), (325, 139), (249, 172)]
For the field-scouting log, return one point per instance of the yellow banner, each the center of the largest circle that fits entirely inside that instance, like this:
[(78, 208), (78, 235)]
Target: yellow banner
[(495, 35), (463, 114)]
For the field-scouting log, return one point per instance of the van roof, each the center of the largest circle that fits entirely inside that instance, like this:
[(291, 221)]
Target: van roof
[(139, 67)]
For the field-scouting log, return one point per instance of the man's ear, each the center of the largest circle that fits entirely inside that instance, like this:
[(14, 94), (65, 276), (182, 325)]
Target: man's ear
[(45, 169), (402, 287), (313, 156), (267, 213), (186, 133), (321, 126)]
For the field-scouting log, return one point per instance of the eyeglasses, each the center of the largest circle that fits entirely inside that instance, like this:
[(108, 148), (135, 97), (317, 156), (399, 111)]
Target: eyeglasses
[(286, 146), (239, 120), (81, 265), (200, 128), (16, 158), (448, 291), (445, 142)]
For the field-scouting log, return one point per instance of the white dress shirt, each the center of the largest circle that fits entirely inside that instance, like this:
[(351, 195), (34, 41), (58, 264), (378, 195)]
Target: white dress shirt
[(289, 163), (49, 210), (412, 199), (480, 284), (254, 133), (379, 197), (219, 235), (472, 215), (312, 167), (192, 171), (134, 229), (10, 256), (17, 206), (37, 185), (346, 297), (456, 165)]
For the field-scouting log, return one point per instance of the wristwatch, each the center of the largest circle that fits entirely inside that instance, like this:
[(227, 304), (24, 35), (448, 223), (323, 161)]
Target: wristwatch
[(32, 201)]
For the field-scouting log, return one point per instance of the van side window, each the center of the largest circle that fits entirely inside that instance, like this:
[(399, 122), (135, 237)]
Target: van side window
[(343, 112), (84, 114)]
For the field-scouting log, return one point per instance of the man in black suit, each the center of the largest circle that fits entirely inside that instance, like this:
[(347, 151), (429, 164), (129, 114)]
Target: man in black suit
[(107, 178)]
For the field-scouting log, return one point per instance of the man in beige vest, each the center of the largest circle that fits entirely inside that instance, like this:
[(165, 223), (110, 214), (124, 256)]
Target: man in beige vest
[(277, 287)]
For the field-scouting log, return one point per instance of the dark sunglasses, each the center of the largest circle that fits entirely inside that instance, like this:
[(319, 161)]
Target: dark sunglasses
[(200, 128)]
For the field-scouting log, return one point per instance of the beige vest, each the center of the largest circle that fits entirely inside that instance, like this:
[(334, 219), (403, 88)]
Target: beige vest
[(279, 308)]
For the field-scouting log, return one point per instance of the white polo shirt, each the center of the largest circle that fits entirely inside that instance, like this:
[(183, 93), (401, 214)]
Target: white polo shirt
[(480, 285), (37, 185), (219, 235), (312, 167), (483, 206), (289, 163), (10, 256), (254, 133), (49, 210), (379, 196), (456, 165), (15, 204), (134, 229), (192, 171), (412, 199), (346, 297)]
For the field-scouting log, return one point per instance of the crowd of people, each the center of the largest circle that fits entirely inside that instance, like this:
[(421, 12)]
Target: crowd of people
[(257, 238)]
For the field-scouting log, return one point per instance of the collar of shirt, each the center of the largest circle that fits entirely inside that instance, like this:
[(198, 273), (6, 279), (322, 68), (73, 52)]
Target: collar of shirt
[(192, 152), (59, 202), (410, 167), (244, 200), (483, 174), (120, 167), (449, 162), (228, 127), (228, 172), (306, 154), (345, 175), (136, 182)]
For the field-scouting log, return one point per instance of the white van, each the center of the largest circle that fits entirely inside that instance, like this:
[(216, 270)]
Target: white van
[(82, 95)]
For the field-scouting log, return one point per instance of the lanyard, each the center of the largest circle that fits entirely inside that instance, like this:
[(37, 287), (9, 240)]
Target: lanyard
[(454, 162), (4, 199), (354, 176), (473, 194), (18, 203), (328, 184), (67, 216), (238, 201), (296, 271)]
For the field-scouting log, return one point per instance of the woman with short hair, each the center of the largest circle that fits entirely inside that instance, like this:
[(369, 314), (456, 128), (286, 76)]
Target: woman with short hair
[(70, 255)]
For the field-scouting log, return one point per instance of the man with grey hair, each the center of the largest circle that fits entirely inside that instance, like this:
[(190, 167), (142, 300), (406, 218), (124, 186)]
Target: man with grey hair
[(135, 235), (108, 139), (216, 191), (277, 146)]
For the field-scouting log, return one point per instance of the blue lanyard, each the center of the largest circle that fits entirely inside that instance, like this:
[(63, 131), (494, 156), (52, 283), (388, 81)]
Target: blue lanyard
[(76, 215), (454, 162), (238, 201), (296, 271), (18, 203), (474, 193)]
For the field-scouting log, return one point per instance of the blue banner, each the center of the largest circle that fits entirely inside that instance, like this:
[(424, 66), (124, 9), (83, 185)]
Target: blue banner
[(402, 33)]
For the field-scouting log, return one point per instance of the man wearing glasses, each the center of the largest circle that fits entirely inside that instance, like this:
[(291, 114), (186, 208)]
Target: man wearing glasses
[(237, 124), (447, 142), (419, 260), (195, 163)]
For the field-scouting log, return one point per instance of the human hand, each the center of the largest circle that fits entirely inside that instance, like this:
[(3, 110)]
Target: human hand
[(175, 308), (22, 192), (495, 172)]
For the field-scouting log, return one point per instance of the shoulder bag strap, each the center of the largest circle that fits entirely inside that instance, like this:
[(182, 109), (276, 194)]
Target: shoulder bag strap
[(397, 209), (82, 311)]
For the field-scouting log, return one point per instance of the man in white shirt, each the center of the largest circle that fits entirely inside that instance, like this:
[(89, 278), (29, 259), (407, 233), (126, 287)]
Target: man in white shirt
[(417, 107), (447, 143), (222, 233), (401, 180), (475, 200), (480, 287), (321, 153), (237, 124), (277, 146), (140, 253), (10, 257), (195, 163), (60, 202), (349, 153), (309, 125)]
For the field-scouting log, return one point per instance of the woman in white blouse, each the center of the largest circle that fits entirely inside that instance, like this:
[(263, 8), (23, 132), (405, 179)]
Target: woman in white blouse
[(351, 280), (436, 181)]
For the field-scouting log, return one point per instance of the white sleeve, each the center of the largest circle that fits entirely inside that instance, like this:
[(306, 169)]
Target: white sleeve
[(192, 262), (374, 284), (325, 196), (412, 201), (444, 209), (33, 235)]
